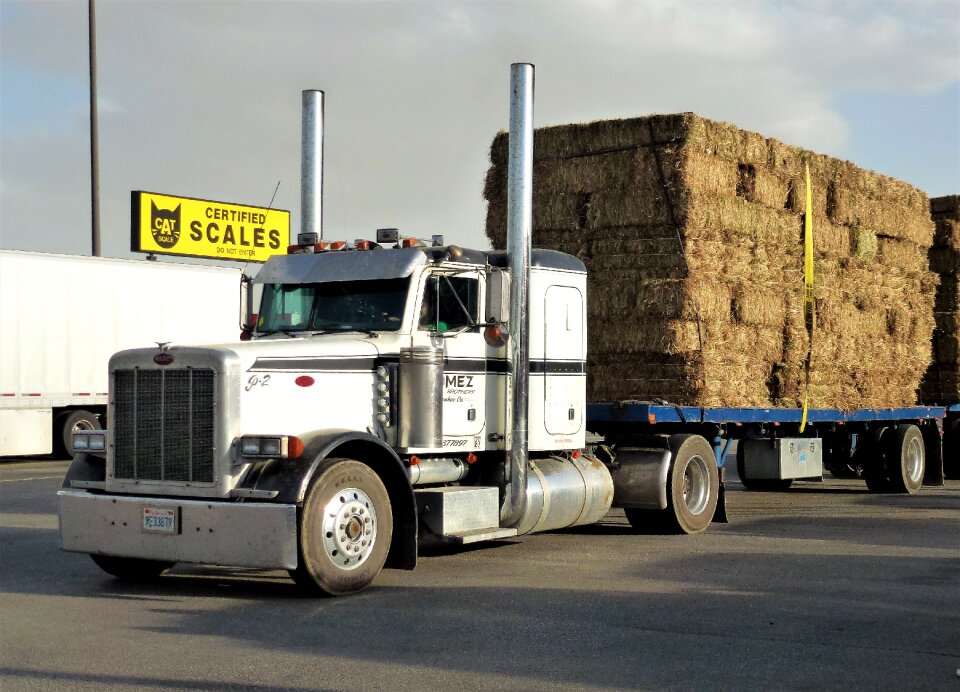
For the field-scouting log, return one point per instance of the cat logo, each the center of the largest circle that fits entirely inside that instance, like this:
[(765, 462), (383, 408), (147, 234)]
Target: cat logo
[(165, 225)]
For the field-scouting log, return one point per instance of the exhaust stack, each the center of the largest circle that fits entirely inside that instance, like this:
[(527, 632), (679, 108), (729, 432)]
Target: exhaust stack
[(311, 164), (519, 242)]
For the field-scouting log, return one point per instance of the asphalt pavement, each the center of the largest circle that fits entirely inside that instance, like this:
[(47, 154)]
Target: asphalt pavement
[(826, 586)]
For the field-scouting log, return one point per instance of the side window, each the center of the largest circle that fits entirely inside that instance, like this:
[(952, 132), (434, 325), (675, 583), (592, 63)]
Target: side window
[(449, 303)]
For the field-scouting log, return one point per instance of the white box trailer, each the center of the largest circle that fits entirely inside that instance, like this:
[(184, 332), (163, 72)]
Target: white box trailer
[(63, 316)]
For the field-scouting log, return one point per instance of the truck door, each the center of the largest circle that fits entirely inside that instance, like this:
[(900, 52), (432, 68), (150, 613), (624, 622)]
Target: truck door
[(563, 364), (450, 307)]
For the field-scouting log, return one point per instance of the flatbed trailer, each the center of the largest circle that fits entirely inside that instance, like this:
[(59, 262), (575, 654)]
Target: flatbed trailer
[(892, 449)]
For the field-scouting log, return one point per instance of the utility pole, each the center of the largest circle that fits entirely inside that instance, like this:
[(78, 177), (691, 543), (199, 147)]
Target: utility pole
[(94, 137)]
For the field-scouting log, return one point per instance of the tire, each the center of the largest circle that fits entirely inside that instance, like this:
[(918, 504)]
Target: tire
[(870, 457), (904, 459), (346, 525), (951, 448), (837, 456), (762, 484), (131, 568), (693, 488), (64, 426)]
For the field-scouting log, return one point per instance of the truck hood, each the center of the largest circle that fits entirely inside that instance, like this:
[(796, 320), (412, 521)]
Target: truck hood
[(303, 354)]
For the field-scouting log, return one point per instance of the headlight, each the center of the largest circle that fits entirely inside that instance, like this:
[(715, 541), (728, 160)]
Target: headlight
[(271, 447), (89, 440)]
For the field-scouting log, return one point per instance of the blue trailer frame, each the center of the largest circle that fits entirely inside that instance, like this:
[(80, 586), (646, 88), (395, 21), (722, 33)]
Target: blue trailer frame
[(721, 425)]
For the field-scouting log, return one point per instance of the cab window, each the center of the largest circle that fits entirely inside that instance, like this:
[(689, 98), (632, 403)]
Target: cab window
[(449, 303)]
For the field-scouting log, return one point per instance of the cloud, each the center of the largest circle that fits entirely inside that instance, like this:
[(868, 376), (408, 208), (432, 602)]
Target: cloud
[(201, 98)]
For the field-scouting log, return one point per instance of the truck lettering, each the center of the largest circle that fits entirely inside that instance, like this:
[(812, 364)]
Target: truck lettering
[(257, 237), (460, 381)]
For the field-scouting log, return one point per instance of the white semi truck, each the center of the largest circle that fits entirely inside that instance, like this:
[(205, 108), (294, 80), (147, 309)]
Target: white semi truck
[(63, 316), (398, 391)]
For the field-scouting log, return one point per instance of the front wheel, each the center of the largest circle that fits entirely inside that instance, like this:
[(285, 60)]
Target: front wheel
[(693, 489), (131, 568), (346, 525)]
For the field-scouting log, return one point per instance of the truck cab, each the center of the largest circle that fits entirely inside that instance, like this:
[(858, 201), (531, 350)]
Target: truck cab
[(380, 370)]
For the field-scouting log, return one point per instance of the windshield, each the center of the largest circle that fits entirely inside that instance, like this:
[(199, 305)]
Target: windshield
[(375, 305)]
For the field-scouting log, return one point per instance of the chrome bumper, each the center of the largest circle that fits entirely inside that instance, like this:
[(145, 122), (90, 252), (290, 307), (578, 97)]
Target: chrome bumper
[(238, 534)]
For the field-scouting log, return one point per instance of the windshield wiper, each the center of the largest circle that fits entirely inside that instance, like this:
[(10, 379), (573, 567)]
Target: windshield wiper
[(369, 332), (292, 333)]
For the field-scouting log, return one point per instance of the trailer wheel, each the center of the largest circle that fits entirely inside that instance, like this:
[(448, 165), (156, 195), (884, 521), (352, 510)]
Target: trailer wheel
[(951, 448), (345, 529), (131, 568), (693, 487), (65, 424), (870, 457), (904, 459), (763, 484), (837, 455)]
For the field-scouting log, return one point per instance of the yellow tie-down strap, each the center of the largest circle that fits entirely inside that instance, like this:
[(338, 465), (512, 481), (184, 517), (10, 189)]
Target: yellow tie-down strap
[(808, 303)]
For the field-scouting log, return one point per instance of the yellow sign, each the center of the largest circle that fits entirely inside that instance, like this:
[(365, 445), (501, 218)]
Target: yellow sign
[(169, 225)]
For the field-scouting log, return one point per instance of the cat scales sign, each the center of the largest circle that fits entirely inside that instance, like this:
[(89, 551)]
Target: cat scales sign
[(164, 224)]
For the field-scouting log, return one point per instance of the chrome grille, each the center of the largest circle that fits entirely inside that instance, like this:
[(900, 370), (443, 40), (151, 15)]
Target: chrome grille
[(163, 425)]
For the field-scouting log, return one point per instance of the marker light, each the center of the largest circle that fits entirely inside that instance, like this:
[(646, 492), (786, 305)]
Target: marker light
[(494, 336), (321, 246), (411, 242), (338, 245)]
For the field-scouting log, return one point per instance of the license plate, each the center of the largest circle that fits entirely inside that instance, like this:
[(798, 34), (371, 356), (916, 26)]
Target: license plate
[(158, 520)]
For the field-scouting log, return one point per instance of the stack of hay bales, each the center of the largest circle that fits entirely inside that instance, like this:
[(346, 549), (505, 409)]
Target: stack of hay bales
[(941, 385), (692, 232)]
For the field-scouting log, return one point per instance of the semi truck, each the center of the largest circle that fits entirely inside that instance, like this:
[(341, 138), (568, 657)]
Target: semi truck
[(63, 316), (399, 391)]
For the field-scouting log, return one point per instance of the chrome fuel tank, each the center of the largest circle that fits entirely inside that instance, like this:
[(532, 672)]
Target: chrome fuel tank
[(564, 492)]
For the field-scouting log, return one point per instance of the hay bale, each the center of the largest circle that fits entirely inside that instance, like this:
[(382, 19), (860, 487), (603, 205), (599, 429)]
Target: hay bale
[(941, 384), (692, 231)]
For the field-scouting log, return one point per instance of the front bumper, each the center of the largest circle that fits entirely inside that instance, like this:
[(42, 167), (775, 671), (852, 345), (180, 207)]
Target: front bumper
[(237, 534)]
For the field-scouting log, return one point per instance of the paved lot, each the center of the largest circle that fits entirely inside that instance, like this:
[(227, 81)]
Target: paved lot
[(824, 587)]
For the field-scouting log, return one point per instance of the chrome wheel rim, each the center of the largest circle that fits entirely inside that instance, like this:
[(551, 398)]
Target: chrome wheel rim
[(82, 425), (696, 485), (349, 528), (914, 460)]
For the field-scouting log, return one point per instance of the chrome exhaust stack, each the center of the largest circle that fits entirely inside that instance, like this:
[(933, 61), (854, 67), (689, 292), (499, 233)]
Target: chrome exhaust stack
[(311, 168), (519, 242)]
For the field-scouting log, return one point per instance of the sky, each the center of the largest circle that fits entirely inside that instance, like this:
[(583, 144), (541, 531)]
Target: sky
[(202, 98)]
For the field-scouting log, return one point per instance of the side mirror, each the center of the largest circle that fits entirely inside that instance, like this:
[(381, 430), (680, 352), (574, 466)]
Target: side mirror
[(248, 319), (498, 297)]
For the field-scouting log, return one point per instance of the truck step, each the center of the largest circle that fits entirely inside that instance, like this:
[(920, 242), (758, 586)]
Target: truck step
[(478, 535), (461, 514)]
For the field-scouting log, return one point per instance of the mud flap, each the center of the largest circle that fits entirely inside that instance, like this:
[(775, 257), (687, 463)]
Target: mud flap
[(933, 447), (720, 513)]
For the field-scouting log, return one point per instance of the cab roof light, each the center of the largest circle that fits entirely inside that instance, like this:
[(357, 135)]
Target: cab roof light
[(307, 239), (361, 244), (337, 245), (321, 246), (411, 242)]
